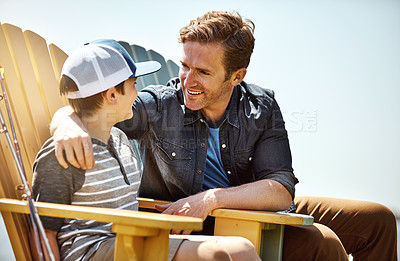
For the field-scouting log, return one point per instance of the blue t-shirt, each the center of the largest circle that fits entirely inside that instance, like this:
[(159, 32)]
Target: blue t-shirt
[(214, 176)]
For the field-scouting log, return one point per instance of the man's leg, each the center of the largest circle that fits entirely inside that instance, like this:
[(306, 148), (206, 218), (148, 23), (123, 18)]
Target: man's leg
[(367, 230), (312, 243)]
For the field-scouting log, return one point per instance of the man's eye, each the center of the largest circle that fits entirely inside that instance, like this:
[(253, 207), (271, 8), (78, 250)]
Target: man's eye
[(204, 72)]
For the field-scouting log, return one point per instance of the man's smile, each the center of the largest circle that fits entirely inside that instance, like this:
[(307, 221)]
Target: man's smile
[(194, 92)]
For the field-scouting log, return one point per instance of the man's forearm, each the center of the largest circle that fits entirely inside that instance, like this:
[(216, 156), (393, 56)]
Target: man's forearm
[(260, 195), (71, 139)]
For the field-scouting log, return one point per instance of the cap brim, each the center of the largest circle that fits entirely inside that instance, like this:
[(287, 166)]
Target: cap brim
[(144, 68)]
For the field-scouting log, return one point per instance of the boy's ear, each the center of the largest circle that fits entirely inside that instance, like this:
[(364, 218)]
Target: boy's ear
[(238, 76), (110, 95)]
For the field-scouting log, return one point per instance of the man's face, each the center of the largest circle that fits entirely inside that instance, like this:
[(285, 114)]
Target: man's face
[(202, 76)]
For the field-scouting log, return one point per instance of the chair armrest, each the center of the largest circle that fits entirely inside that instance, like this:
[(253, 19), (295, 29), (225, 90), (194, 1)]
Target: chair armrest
[(139, 235), (250, 215), (150, 203), (120, 216), (264, 216)]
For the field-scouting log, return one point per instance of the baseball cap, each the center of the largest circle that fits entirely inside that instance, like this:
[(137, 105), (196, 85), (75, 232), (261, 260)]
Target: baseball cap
[(100, 65)]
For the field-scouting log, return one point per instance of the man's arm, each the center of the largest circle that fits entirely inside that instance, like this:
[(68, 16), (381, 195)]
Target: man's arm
[(71, 137), (259, 195)]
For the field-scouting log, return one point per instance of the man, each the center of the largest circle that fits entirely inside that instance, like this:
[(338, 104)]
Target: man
[(209, 140), (99, 81)]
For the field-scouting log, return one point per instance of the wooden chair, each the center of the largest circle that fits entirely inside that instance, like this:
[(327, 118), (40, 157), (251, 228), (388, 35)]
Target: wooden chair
[(32, 75)]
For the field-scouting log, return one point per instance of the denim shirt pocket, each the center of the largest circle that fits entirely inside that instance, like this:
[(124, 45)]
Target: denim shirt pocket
[(175, 160), (244, 165)]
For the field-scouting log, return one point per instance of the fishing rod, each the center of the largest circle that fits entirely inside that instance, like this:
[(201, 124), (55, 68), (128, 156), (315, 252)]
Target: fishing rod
[(16, 152)]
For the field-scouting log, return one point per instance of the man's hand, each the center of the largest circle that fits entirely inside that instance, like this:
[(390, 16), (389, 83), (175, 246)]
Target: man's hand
[(199, 205), (71, 137)]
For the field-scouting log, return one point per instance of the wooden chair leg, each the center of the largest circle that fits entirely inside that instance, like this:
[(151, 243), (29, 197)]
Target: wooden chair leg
[(236, 227), (140, 243), (272, 242), (266, 238)]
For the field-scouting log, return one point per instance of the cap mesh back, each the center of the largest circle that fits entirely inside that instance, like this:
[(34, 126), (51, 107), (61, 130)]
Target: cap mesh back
[(110, 65), (86, 71)]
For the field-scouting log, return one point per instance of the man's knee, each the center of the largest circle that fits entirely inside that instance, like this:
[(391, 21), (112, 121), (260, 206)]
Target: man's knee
[(379, 212), (316, 242)]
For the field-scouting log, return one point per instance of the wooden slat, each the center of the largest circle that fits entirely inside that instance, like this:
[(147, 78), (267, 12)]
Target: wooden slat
[(58, 58), (150, 203), (264, 216), (173, 69), (29, 89), (140, 55), (247, 229), (139, 235), (250, 215), (47, 83), (23, 122), (162, 75), (120, 216)]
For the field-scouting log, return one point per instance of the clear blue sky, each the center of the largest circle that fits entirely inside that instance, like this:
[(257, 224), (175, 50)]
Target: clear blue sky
[(334, 65)]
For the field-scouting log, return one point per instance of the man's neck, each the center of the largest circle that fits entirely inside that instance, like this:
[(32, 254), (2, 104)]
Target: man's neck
[(215, 112)]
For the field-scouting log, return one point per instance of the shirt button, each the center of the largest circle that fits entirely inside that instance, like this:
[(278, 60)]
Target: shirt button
[(201, 120), (202, 144), (250, 158), (199, 171), (173, 154), (223, 146), (229, 172)]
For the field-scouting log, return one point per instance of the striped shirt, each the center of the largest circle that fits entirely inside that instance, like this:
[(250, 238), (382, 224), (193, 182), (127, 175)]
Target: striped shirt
[(112, 183)]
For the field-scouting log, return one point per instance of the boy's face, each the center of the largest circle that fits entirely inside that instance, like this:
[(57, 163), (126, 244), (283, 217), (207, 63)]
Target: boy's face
[(126, 101)]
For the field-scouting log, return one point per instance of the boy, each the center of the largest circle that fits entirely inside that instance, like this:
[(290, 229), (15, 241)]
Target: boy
[(99, 81)]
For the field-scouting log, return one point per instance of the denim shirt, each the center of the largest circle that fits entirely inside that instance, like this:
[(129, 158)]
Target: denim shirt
[(173, 141)]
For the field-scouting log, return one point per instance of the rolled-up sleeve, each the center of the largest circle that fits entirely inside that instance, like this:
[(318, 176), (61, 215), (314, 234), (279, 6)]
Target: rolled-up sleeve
[(272, 155)]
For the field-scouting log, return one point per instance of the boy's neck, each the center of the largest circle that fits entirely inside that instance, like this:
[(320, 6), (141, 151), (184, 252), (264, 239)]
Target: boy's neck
[(99, 126)]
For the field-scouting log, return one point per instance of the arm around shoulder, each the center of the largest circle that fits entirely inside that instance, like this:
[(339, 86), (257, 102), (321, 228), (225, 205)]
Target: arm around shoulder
[(71, 137)]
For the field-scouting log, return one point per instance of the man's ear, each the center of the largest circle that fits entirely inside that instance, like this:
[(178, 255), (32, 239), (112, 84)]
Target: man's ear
[(238, 76), (110, 95)]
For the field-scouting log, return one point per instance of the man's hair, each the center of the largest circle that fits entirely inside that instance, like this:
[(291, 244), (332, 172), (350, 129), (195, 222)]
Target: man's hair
[(85, 106), (229, 29)]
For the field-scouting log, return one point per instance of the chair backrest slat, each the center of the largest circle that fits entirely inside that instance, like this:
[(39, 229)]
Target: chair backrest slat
[(42, 65)]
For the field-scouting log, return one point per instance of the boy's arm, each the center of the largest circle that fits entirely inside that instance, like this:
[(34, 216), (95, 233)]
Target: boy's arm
[(71, 139)]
